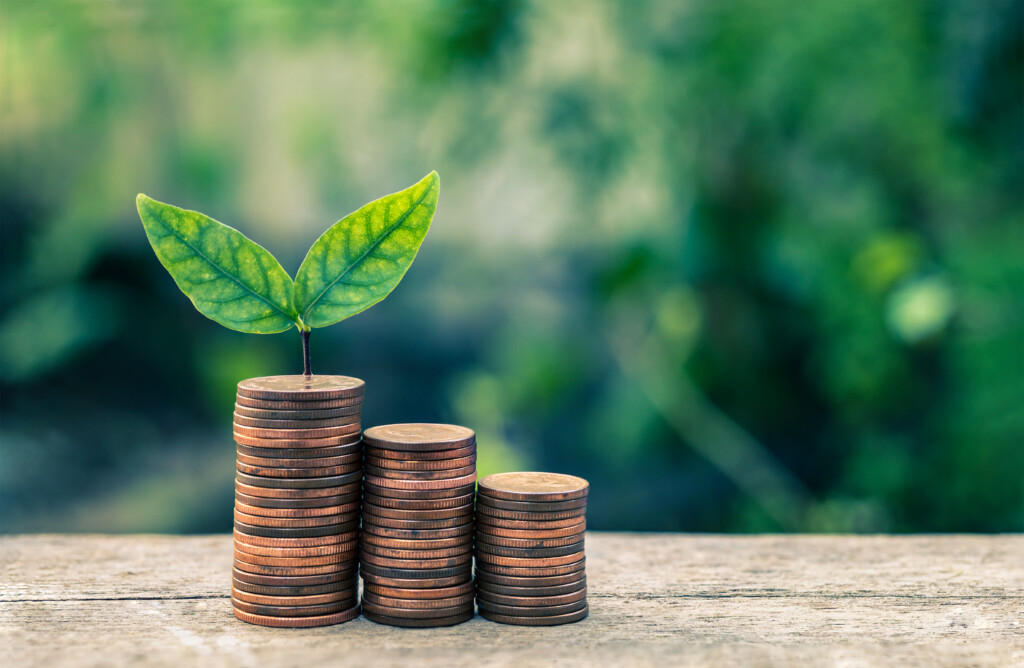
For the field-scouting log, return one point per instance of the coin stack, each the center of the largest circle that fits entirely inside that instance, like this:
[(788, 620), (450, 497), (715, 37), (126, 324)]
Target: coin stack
[(529, 548), (297, 498), (417, 539)]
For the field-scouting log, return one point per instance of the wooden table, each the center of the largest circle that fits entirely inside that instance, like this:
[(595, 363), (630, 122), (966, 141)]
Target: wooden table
[(655, 599)]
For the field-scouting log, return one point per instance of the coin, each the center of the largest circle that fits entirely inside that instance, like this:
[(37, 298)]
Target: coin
[(551, 590), (529, 543), (529, 552), (464, 541), (349, 450), (416, 504), (485, 577), (528, 562), (420, 455), (298, 414), (524, 571), (530, 516), (282, 434), (532, 506), (419, 594), (430, 465), (293, 610), (285, 405), (410, 514), (342, 585), (531, 611), (503, 523), (420, 485), (415, 573), (414, 613), (324, 550), (312, 532), (319, 541), (417, 583), (555, 532), (311, 472), (315, 599), (299, 483), (323, 511), (416, 476), (392, 523), (295, 522), (284, 504), (261, 423), (465, 559), (282, 443), (417, 553), (416, 534), (293, 580), (295, 494), (532, 601), (298, 622), (420, 436), (418, 603), (533, 486), (295, 562), (536, 621), (433, 622), (312, 462), (291, 571), (419, 494), (301, 388)]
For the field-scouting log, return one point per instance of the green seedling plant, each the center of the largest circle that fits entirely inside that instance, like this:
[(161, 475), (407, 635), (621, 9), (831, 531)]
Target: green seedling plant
[(233, 280)]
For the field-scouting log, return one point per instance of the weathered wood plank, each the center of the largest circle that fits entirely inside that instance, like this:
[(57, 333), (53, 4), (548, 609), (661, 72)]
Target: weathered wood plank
[(656, 599)]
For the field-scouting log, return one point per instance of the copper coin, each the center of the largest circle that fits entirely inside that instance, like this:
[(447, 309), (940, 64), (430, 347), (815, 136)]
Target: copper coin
[(529, 552), (530, 516), (551, 590), (287, 443), (534, 486), (293, 513), (314, 462), (263, 590), (484, 577), (316, 502), (430, 465), (285, 493), (418, 603), (416, 553), (301, 388), (298, 622), (354, 450), (294, 522), (297, 414), (532, 572), (416, 504), (433, 622), (419, 485), (417, 583), (261, 423), (462, 542), (315, 599), (271, 472), (532, 601), (417, 534), (416, 564), (414, 573), (528, 543), (420, 436), (312, 532), (292, 571), (532, 506), (392, 523), (280, 552), (417, 476), (285, 405), (414, 613), (528, 562), (321, 432), (410, 514), (293, 610), (416, 494), (292, 580), (299, 483), (420, 594), (556, 532), (296, 542), (531, 611), (295, 562), (504, 523), (536, 621), (420, 455)]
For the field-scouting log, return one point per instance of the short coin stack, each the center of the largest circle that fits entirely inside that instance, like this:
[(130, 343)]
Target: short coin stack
[(529, 548), (297, 497), (417, 539)]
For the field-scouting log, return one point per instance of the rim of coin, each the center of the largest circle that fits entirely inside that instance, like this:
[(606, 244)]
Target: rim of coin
[(293, 610), (295, 562), (531, 611), (320, 423), (420, 485), (291, 580), (293, 571), (537, 621), (420, 594), (420, 436), (295, 522), (320, 511), (298, 622), (530, 515), (321, 551), (264, 590), (529, 552), (529, 543), (311, 532), (291, 474), (417, 534), (267, 541), (555, 532), (417, 603), (419, 494), (420, 476), (416, 613), (301, 493), (297, 443), (416, 574), (301, 387), (419, 504), (506, 523), (392, 523), (285, 504), (534, 486), (412, 465), (540, 571), (286, 405), (529, 562), (312, 599), (532, 601), (532, 506), (417, 583), (286, 434), (465, 559), (300, 483), (435, 622), (416, 553), (550, 590), (414, 544), (294, 463), (297, 413), (420, 455), (354, 449), (414, 514), (528, 581)]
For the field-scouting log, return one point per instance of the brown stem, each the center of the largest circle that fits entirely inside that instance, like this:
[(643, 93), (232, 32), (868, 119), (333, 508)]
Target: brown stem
[(306, 370)]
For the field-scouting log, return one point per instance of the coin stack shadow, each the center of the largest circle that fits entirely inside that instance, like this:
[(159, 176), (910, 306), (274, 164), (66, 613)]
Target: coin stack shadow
[(297, 497), (530, 565), (417, 539)]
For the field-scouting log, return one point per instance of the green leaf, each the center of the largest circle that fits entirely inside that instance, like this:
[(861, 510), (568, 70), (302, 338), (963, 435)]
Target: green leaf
[(363, 256), (228, 277)]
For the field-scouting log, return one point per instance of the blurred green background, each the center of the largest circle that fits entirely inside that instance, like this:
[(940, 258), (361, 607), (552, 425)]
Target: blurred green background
[(746, 266)]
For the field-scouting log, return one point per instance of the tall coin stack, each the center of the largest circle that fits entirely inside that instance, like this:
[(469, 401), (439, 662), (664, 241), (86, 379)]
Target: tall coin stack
[(529, 548), (297, 498), (417, 540)]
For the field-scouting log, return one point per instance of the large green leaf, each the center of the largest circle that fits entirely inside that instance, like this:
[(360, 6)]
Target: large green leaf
[(363, 256), (228, 277)]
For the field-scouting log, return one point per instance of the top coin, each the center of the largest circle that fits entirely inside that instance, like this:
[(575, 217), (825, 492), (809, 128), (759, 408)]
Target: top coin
[(418, 436), (532, 486), (301, 388)]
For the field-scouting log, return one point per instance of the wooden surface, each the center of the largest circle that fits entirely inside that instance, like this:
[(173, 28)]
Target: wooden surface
[(655, 599)]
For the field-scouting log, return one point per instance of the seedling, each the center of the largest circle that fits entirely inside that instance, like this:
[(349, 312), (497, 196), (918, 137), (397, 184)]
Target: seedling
[(233, 280)]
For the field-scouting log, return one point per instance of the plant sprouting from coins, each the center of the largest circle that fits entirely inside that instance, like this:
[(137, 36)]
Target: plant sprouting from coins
[(231, 279)]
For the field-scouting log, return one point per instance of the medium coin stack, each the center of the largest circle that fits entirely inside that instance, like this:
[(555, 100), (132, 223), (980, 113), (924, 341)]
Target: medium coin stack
[(417, 540), (529, 548), (297, 497)]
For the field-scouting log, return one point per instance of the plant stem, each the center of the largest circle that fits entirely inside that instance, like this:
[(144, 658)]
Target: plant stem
[(304, 333)]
